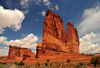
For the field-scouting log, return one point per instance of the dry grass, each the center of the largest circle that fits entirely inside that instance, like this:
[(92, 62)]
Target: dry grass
[(14, 66), (1, 63), (58, 65), (1, 60)]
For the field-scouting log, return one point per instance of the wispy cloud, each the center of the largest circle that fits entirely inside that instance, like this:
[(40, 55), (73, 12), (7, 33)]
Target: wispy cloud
[(25, 12), (57, 8), (9, 3), (90, 21), (43, 13), (25, 3), (23, 35), (47, 3), (37, 20)]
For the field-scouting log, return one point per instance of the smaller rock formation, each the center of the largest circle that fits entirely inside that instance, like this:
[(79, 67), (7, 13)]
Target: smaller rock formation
[(3, 57), (18, 53)]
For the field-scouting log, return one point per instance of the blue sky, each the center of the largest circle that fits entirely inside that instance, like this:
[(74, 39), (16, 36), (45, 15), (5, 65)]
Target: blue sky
[(21, 22)]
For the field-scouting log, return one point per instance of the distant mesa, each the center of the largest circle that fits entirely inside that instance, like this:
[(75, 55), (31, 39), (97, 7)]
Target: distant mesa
[(20, 54), (3, 57)]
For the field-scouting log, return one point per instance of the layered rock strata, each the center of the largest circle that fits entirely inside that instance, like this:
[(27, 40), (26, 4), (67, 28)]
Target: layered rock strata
[(55, 40), (20, 53)]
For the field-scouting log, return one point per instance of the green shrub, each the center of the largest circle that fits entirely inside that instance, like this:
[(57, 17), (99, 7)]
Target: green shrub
[(88, 64), (93, 54), (46, 64), (95, 60), (99, 63), (77, 65), (15, 63), (84, 67), (50, 64), (72, 64), (38, 63), (68, 60), (67, 65), (75, 60), (47, 60), (62, 66), (81, 63), (84, 63), (21, 63), (58, 66), (4, 63)]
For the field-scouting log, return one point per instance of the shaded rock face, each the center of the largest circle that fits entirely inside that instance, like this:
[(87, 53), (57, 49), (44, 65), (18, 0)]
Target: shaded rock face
[(72, 38), (55, 38), (20, 53)]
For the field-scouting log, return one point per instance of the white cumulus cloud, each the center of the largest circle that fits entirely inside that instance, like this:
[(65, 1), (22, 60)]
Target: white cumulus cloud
[(10, 18), (2, 39), (86, 46), (4, 51), (28, 42)]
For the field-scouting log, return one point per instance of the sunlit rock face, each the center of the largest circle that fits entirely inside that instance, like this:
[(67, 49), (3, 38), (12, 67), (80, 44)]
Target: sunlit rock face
[(18, 53), (54, 36), (3, 57)]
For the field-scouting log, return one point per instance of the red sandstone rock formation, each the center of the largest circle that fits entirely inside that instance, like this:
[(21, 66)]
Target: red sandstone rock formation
[(3, 57), (53, 32), (55, 46), (72, 38), (18, 53), (55, 39)]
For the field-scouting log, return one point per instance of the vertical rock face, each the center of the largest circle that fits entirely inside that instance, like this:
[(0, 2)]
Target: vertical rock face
[(72, 38), (53, 25), (20, 53), (55, 38), (39, 49), (53, 32)]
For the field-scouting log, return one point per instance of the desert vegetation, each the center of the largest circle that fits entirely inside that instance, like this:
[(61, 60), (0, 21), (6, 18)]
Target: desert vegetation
[(2, 64), (94, 62)]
